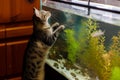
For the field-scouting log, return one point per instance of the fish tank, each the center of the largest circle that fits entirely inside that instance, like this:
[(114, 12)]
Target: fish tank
[(89, 46)]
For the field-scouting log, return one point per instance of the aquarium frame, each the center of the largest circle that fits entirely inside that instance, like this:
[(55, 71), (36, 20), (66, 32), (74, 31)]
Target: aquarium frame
[(87, 6)]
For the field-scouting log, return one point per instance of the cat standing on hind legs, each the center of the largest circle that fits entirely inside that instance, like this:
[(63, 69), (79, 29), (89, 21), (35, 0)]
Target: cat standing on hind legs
[(42, 39)]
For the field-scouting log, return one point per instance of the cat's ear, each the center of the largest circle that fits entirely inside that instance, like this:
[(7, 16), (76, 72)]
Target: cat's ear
[(36, 12)]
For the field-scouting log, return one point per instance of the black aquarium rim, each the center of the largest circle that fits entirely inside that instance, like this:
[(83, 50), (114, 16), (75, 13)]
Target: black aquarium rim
[(87, 6)]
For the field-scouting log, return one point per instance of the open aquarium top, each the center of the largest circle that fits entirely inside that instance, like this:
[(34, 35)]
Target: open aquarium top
[(100, 15), (89, 47)]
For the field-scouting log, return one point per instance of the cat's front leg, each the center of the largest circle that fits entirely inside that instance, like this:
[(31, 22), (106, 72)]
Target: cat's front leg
[(51, 39), (55, 25), (58, 29)]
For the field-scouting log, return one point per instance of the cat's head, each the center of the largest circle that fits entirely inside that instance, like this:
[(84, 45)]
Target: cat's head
[(40, 17)]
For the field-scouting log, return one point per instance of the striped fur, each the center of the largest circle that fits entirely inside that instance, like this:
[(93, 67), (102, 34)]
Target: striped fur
[(42, 39)]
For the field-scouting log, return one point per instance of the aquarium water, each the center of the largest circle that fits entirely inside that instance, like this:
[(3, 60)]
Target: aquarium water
[(89, 47)]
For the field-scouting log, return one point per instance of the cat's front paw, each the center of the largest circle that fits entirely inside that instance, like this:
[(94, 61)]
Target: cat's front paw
[(57, 24), (62, 26)]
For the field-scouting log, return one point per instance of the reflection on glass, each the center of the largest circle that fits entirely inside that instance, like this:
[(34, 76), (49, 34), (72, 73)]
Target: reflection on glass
[(108, 2)]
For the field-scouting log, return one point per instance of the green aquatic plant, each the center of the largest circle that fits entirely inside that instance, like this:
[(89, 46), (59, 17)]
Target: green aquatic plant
[(114, 50), (87, 49), (72, 44), (115, 73), (90, 52), (115, 45), (92, 56)]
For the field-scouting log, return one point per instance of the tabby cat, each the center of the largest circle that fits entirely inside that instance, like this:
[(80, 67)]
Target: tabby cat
[(42, 39)]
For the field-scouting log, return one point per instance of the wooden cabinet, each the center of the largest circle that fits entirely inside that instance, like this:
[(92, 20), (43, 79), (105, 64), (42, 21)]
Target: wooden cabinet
[(2, 59), (22, 10), (13, 40), (15, 30), (5, 11), (2, 33), (16, 78), (18, 30), (2, 51), (17, 36), (15, 52), (17, 10)]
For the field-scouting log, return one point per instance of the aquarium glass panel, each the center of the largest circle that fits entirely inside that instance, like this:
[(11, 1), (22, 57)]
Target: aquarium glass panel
[(89, 47)]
